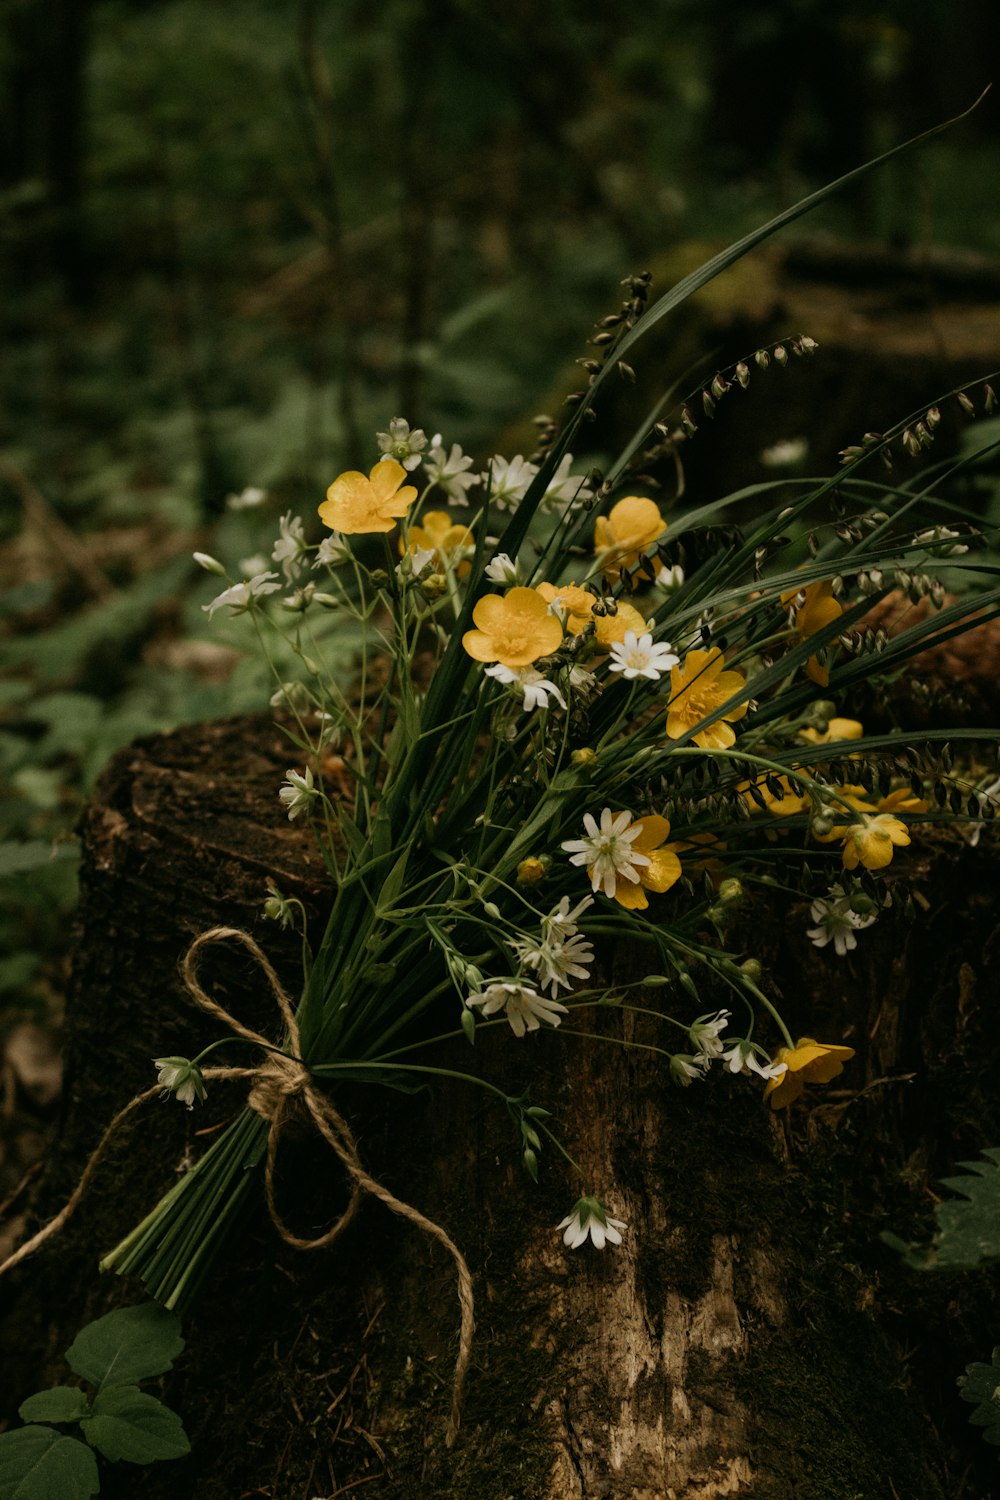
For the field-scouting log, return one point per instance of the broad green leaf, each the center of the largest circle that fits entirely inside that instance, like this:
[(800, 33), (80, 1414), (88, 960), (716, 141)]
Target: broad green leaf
[(38, 1463), (63, 1403), (127, 1424), (125, 1346), (968, 1227), (981, 1384)]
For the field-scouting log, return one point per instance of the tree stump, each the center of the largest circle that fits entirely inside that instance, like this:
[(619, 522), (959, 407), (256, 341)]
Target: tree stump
[(751, 1337)]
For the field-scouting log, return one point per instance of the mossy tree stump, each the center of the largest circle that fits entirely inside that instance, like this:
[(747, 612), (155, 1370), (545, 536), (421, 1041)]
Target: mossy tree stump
[(751, 1337)]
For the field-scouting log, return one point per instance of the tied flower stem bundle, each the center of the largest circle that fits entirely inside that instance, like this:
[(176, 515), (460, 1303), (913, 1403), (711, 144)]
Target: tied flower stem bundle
[(544, 745)]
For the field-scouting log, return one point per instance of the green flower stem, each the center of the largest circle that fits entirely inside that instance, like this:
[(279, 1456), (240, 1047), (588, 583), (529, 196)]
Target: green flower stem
[(816, 789), (769, 1007)]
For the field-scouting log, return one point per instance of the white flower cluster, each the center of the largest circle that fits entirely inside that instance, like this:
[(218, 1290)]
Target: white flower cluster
[(558, 956), (561, 953), (740, 1056), (508, 480), (836, 921), (607, 850)]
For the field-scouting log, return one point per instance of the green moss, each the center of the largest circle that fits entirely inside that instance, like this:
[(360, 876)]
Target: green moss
[(840, 1429)]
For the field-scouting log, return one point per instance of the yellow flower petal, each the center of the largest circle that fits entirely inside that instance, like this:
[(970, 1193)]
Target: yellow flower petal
[(663, 870), (610, 629), (355, 504), (654, 830), (631, 527), (808, 1061), (515, 629), (632, 897), (575, 601)]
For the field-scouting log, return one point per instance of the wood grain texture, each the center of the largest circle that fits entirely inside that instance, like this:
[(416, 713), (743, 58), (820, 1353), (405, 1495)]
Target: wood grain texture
[(752, 1337)]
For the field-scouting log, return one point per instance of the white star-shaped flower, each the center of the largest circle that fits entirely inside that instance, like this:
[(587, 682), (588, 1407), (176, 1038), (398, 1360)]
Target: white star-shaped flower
[(639, 656), (449, 471), (607, 850), (240, 596), (401, 445), (523, 1007), (508, 479), (591, 1220), (536, 689)]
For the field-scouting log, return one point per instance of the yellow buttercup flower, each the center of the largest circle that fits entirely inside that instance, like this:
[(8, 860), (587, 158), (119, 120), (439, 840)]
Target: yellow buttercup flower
[(514, 629), (818, 609), (902, 800), (871, 841), (354, 504), (662, 871), (807, 1062), (836, 729), (573, 602), (791, 800), (611, 628), (630, 528), (576, 607), (697, 690), (857, 798), (449, 541)]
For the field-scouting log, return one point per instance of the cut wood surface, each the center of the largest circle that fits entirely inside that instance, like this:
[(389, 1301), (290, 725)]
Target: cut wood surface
[(751, 1337)]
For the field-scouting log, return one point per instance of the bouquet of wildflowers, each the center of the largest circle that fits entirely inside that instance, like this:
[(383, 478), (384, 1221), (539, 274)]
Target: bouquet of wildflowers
[(581, 710)]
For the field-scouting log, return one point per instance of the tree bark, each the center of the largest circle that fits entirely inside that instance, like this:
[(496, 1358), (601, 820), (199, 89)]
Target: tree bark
[(751, 1337)]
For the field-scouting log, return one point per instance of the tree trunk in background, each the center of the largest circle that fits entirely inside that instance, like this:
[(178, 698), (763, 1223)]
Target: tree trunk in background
[(751, 1337)]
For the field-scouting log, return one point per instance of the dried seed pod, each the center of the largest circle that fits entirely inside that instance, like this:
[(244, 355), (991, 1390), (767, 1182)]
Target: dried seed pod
[(762, 359), (719, 387), (989, 400), (966, 405), (742, 374), (708, 404), (780, 354), (933, 418)]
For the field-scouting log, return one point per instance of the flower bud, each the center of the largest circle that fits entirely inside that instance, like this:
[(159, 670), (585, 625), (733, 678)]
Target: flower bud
[(180, 1076), (751, 967), (210, 564), (531, 870), (731, 892)]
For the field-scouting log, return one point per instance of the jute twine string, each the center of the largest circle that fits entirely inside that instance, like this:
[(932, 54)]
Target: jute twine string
[(280, 1081)]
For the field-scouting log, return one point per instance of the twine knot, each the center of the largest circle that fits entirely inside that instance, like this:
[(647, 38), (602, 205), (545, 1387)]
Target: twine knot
[(277, 1080)]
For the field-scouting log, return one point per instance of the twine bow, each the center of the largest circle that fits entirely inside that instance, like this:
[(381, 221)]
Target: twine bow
[(277, 1081)]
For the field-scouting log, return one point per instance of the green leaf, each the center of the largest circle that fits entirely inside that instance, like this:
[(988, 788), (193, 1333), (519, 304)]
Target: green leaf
[(981, 1385), (968, 1227), (38, 1463), (19, 858), (127, 1424), (125, 1346), (63, 1403)]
